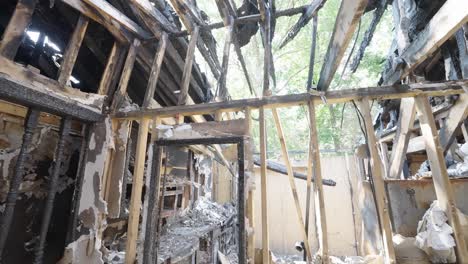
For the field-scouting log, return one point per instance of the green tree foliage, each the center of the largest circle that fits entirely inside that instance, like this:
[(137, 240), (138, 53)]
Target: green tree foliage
[(292, 65)]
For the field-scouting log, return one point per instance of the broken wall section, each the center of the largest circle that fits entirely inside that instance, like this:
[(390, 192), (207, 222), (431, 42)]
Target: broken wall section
[(24, 232)]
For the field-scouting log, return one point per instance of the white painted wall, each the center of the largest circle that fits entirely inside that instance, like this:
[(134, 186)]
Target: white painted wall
[(283, 221)]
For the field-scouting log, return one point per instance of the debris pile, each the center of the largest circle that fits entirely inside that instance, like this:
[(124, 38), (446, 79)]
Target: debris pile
[(182, 233), (371, 259), (407, 252), (435, 236), (456, 167)]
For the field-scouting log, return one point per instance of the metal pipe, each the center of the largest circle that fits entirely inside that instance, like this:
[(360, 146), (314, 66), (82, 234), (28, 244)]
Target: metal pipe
[(30, 124), (65, 126)]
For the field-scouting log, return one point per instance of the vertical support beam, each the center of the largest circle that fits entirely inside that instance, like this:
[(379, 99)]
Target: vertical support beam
[(442, 185), (135, 200), (30, 124), (84, 150), (251, 191), (111, 70), (71, 52), (377, 177), (384, 157), (153, 206), (241, 204), (462, 43), (266, 18), (264, 196), (464, 131), (346, 22), (400, 144), (155, 70), (187, 74), (314, 168), (47, 214), (17, 26), (160, 207), (292, 183), (126, 73)]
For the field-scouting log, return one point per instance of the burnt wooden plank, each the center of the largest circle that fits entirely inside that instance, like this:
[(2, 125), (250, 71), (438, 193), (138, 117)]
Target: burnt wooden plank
[(346, 22), (13, 34), (71, 52)]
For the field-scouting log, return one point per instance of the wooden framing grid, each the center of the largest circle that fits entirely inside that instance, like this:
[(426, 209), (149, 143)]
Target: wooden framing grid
[(24, 86)]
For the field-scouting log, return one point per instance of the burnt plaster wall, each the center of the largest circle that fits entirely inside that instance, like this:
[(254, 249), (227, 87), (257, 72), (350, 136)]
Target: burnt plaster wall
[(92, 208), (24, 232)]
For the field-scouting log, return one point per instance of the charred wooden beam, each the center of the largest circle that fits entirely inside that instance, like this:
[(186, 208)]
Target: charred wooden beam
[(71, 52), (53, 185), (462, 43), (368, 35), (381, 200), (115, 17), (16, 28), (249, 19), (125, 77), (265, 14), (117, 30), (241, 186), (229, 22), (347, 19), (333, 97), (155, 70), (187, 74), (24, 87), (113, 66), (280, 168), (153, 23), (30, 123), (402, 138), (443, 25), (222, 89), (310, 12), (313, 46), (152, 220), (84, 151)]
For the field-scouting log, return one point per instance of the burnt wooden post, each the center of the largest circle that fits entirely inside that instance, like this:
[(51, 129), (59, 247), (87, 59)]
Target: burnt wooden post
[(153, 201), (73, 218), (241, 203), (16, 28), (30, 124), (49, 206), (160, 203)]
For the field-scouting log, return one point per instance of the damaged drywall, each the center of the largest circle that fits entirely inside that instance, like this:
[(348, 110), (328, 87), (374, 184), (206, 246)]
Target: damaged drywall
[(92, 207), (117, 169)]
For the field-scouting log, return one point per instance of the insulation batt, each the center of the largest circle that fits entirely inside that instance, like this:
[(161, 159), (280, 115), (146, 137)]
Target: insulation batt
[(435, 236)]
